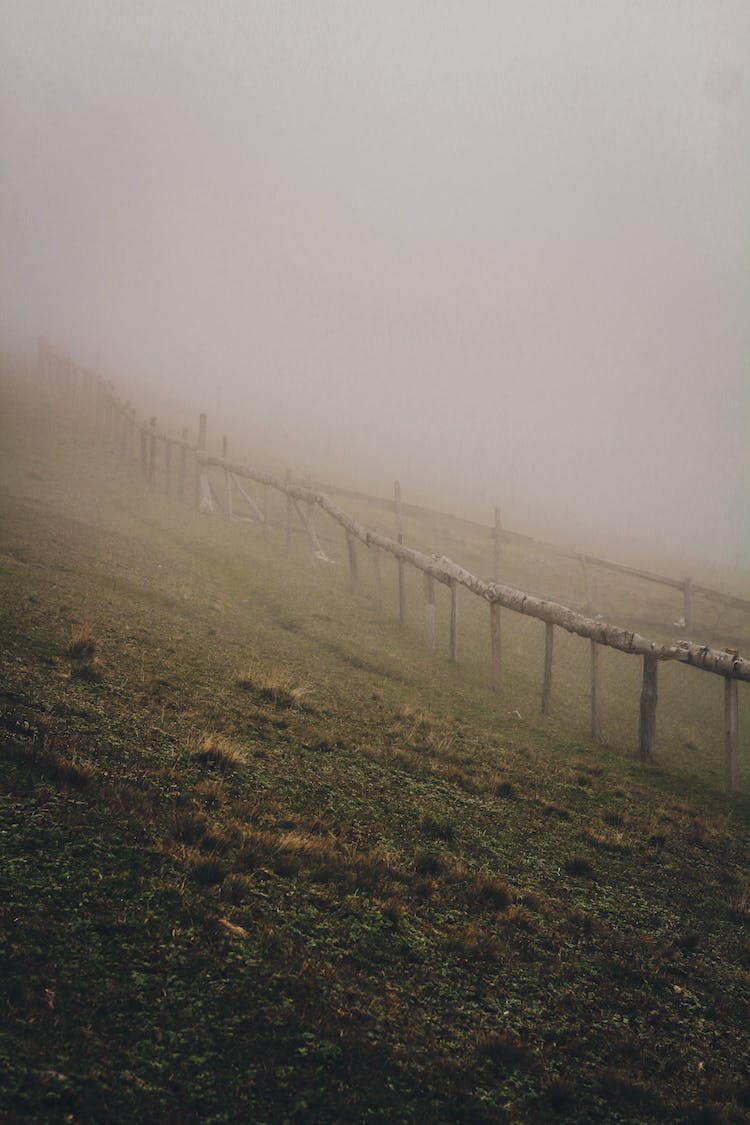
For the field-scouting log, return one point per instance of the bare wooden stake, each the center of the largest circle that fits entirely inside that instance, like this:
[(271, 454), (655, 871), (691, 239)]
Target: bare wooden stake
[(144, 453), (289, 512), (649, 696), (305, 513), (152, 451), (453, 639), (429, 610), (256, 513), (401, 569), (731, 730), (310, 506), (549, 644), (227, 478), (378, 596), (596, 694), (167, 464), (183, 464), (206, 500), (202, 427), (351, 544), (687, 603), (586, 584), (497, 681), (497, 546), (123, 433)]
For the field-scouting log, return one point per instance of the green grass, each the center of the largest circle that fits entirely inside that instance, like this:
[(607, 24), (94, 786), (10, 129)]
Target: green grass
[(278, 862)]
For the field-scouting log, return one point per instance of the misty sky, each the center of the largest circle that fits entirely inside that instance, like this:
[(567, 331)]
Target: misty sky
[(498, 246)]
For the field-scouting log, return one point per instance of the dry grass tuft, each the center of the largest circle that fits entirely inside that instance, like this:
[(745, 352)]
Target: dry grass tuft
[(499, 786), (83, 643), (82, 649), (613, 842), (274, 686), (219, 752), (488, 892), (208, 871)]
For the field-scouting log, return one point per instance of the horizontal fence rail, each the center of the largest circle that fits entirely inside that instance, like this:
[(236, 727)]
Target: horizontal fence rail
[(301, 500)]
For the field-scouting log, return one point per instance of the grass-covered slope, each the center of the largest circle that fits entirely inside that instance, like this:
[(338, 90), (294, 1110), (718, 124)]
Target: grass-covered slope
[(265, 859)]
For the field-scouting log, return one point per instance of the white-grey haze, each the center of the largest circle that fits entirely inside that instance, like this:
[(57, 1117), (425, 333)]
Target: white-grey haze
[(497, 249)]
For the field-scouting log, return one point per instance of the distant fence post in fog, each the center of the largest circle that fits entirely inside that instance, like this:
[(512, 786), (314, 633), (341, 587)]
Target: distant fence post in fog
[(227, 478), (144, 452), (588, 600), (687, 603), (497, 546), (378, 596), (288, 479), (183, 463), (400, 561), (167, 466), (202, 427), (116, 426), (351, 545), (152, 451)]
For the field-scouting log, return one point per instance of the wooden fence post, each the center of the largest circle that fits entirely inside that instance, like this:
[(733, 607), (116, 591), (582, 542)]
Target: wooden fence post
[(497, 546), (401, 567), (144, 452), (183, 462), (731, 730), (289, 509), (353, 571), (586, 584), (649, 696), (596, 695), (202, 428), (428, 585), (378, 595), (497, 679), (453, 639), (167, 465), (227, 478), (549, 644), (131, 432), (152, 451), (687, 603)]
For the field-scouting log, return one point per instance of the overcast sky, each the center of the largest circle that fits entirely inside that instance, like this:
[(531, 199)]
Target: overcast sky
[(499, 246)]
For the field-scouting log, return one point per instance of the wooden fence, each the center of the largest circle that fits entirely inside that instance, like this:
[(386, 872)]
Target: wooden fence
[(181, 458)]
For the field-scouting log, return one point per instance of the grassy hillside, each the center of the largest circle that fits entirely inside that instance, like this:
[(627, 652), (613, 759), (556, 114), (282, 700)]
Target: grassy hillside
[(264, 858)]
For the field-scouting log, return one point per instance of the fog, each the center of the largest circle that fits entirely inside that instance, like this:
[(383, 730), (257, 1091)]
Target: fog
[(500, 250)]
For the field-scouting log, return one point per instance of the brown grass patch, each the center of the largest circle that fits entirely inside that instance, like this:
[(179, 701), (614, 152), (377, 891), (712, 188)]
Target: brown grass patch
[(274, 686), (218, 752), (83, 643)]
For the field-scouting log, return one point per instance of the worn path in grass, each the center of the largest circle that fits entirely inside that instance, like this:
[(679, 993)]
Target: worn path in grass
[(264, 858)]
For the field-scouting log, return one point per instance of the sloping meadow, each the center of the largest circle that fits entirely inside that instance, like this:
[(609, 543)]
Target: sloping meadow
[(265, 857)]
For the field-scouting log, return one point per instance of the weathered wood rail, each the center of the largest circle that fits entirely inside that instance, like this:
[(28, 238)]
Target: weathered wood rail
[(119, 422)]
